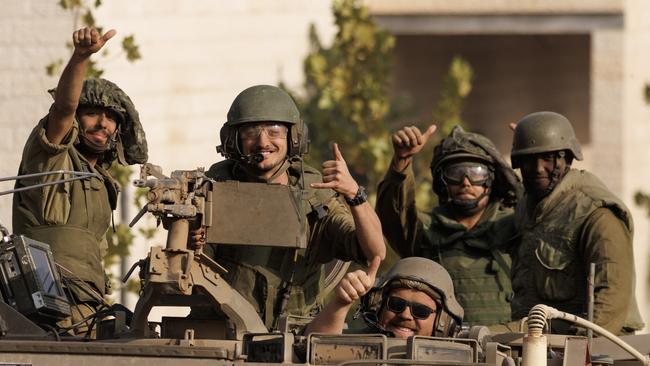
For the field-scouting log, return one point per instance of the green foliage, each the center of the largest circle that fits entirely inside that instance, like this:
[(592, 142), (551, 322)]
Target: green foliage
[(82, 10), (456, 86), (346, 93)]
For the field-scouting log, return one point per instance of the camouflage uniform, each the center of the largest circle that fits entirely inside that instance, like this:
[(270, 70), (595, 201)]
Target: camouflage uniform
[(476, 258), (73, 217), (578, 223), (258, 273)]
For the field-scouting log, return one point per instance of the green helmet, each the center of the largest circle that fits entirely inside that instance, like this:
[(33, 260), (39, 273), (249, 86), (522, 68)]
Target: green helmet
[(542, 132), (461, 145), (263, 103), (131, 144), (421, 274)]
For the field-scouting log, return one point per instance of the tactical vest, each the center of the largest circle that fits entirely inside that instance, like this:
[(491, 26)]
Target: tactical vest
[(548, 267), (476, 262), (258, 273), (79, 244)]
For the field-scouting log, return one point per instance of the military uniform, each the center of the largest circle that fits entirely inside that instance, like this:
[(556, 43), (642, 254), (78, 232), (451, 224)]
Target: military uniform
[(578, 223), (474, 258), (258, 273), (72, 217)]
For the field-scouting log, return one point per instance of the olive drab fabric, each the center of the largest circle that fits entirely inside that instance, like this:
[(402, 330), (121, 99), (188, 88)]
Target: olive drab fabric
[(476, 259), (132, 143), (258, 273), (72, 217), (580, 222)]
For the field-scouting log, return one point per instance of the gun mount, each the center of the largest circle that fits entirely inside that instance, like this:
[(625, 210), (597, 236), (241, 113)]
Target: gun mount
[(176, 275)]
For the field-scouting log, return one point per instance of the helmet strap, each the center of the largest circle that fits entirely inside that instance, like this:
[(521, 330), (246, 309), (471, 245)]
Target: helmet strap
[(556, 174), (463, 206)]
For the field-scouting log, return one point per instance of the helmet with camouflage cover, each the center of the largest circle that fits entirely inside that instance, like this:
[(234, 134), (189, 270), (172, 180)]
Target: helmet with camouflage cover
[(542, 132), (129, 145), (263, 103), (462, 145), (419, 274)]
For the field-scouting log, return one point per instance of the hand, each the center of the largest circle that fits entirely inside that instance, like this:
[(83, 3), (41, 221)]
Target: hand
[(87, 41), (337, 176), (356, 284), (196, 238), (512, 126), (407, 142)]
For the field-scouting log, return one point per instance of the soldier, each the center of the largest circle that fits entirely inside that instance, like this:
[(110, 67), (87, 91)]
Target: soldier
[(418, 284), (90, 124), (263, 140), (569, 219), (471, 229)]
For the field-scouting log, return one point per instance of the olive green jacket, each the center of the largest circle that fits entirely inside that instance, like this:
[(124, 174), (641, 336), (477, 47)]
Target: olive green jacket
[(258, 273), (476, 259), (580, 222), (72, 217)]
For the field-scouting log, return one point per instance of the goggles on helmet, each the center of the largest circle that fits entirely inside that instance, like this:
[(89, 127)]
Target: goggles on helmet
[(398, 305), (273, 130), (477, 173)]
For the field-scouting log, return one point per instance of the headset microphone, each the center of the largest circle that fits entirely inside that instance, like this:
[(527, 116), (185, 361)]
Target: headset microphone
[(252, 158)]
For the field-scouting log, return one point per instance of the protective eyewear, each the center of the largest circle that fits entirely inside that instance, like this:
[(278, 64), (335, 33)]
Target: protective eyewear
[(398, 305), (476, 173), (273, 131)]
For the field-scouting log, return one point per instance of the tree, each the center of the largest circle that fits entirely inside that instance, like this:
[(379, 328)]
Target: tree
[(82, 10), (456, 86), (347, 93)]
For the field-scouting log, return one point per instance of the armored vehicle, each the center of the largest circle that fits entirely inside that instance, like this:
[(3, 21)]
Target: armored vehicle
[(179, 275)]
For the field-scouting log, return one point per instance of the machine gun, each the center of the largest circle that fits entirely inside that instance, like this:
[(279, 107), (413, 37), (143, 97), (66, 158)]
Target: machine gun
[(179, 276)]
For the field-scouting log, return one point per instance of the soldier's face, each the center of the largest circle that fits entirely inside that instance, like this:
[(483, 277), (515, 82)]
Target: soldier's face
[(268, 139), (537, 169), (403, 324), (468, 181), (97, 123)]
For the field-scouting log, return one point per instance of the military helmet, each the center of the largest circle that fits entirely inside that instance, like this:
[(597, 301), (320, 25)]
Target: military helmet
[(542, 132), (429, 277), (131, 144), (462, 145), (263, 103)]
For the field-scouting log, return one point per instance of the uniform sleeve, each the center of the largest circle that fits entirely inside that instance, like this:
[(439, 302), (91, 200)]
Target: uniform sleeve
[(397, 213), (608, 243), (49, 205), (334, 236)]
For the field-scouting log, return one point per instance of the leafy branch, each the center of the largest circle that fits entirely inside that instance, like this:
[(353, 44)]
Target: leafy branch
[(82, 12)]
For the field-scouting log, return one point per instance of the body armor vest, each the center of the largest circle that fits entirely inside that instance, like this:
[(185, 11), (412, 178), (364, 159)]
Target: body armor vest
[(258, 273), (549, 266), (80, 243), (476, 261)]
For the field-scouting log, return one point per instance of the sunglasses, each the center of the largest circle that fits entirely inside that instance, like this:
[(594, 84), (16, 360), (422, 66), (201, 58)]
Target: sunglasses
[(476, 173), (398, 305)]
